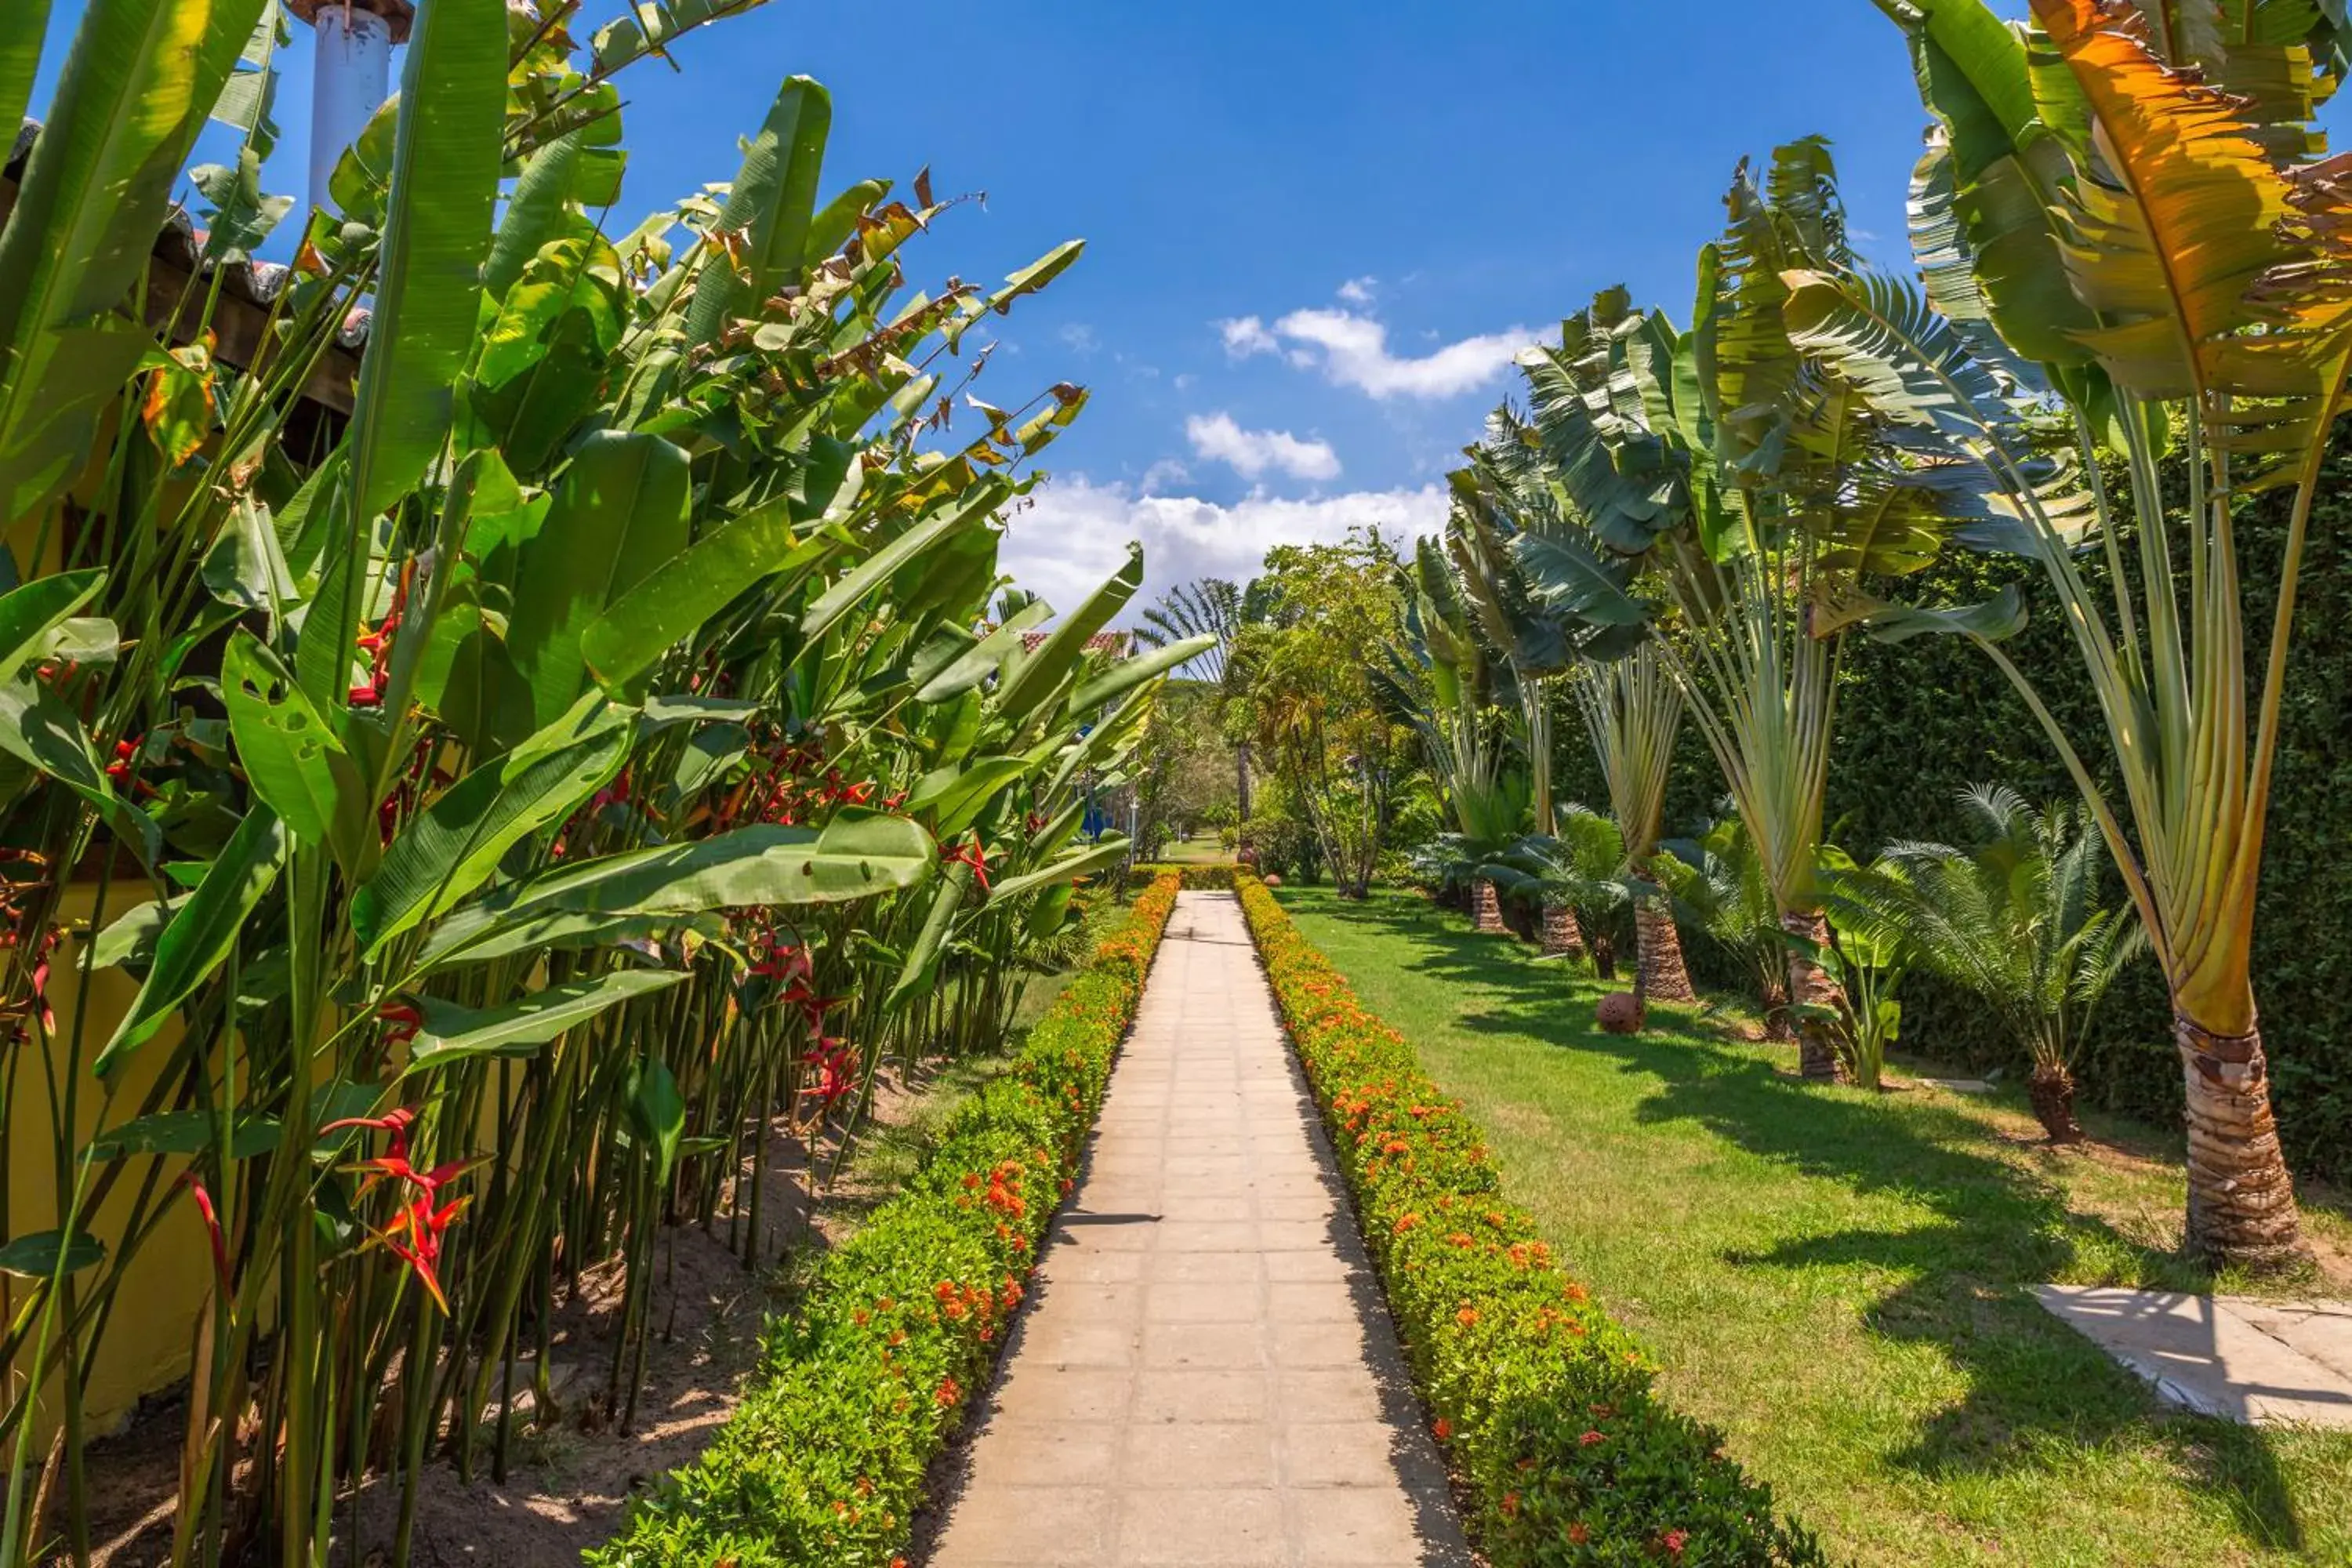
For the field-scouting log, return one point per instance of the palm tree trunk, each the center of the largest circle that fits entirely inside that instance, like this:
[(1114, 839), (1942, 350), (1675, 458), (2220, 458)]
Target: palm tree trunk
[(1658, 948), (1486, 908), (2242, 1207), (1562, 935), (2050, 1088), (1810, 986), (1241, 780)]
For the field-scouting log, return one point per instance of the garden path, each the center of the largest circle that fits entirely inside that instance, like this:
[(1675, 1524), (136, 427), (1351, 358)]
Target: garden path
[(1205, 1373)]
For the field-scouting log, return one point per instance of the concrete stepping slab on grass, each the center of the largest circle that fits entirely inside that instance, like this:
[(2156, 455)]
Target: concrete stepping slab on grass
[(2241, 1359), (1204, 1372)]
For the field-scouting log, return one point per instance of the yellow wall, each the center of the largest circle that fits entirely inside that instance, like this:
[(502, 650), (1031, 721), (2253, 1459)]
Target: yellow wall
[(149, 1334)]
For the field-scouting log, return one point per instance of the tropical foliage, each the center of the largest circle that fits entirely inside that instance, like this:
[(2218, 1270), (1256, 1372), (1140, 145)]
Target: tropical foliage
[(2014, 918), (518, 803)]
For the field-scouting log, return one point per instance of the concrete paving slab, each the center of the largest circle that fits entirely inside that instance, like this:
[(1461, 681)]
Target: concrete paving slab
[(2239, 1359), (1204, 1371)]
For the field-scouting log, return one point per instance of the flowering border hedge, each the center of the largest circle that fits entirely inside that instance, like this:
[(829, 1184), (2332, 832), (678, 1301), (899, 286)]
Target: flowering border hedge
[(1198, 878), (860, 1388), (1544, 1404)]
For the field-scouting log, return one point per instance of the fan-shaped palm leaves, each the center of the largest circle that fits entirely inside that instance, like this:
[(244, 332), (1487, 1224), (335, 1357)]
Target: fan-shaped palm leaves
[(2159, 239), (2015, 919)]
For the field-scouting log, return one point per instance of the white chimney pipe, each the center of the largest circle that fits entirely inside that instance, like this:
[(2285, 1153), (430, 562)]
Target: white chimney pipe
[(352, 77)]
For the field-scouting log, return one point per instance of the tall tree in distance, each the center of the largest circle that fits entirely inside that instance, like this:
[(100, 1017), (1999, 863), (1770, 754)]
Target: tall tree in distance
[(1207, 607)]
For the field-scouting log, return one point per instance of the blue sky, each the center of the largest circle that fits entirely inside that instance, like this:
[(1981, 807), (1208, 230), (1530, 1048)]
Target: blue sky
[(1315, 231)]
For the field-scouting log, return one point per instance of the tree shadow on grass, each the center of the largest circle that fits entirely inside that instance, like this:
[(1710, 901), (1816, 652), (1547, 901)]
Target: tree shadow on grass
[(2036, 1388)]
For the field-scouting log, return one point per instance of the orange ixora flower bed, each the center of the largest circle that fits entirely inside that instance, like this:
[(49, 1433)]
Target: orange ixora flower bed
[(824, 1462), (1544, 1405)]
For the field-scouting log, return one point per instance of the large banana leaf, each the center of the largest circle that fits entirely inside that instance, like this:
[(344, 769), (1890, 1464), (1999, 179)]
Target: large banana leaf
[(1098, 858), (1130, 673), (770, 204), (23, 23), (2172, 246), (444, 186), (200, 935), (620, 514), (1039, 675), (854, 856), (878, 569), (142, 76), (292, 757), (443, 855), (30, 612), (688, 588), (452, 1033)]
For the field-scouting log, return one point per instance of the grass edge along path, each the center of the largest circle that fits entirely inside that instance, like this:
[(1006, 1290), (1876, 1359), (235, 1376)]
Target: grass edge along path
[(1543, 1404), (1842, 1282), (863, 1383)]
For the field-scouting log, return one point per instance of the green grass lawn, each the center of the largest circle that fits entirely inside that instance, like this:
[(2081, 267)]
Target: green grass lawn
[(1203, 849), (1838, 1279)]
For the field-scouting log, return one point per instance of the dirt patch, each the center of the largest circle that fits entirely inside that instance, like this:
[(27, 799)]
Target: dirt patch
[(570, 1473)]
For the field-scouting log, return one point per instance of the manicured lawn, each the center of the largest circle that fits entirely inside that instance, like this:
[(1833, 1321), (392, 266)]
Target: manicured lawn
[(1838, 1280), (1203, 849)]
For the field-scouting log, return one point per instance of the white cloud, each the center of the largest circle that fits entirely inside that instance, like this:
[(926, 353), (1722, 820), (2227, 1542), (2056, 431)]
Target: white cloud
[(1160, 475), (1075, 533), (1252, 452), (1357, 290), (1355, 353), (1079, 338), (1245, 336)]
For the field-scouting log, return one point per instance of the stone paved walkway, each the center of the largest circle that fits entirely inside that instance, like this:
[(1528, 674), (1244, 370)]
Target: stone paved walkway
[(1204, 1373)]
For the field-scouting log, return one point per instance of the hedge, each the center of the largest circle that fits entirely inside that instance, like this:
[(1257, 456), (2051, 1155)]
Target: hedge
[(861, 1385), (1197, 879), (1544, 1404)]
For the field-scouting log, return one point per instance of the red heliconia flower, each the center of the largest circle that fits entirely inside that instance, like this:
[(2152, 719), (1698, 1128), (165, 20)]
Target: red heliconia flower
[(212, 1225), (401, 1021), (972, 854), (422, 1224)]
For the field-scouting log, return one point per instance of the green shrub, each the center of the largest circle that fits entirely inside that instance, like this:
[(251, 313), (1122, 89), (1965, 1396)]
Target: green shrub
[(1544, 1404), (860, 1387), (1195, 878)]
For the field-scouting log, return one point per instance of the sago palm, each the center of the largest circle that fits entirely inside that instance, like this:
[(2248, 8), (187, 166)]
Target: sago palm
[(2143, 234), (2015, 920)]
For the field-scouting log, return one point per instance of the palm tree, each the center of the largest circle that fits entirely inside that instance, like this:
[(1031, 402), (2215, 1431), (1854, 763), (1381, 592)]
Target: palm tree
[(1633, 709), (2015, 919), (1718, 883), (1575, 875), (1757, 487), (1209, 606), (2144, 239), (1442, 682)]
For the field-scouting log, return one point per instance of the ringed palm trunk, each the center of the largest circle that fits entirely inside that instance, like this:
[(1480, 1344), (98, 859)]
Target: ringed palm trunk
[(1810, 986), (1658, 949), (1486, 908), (2050, 1088), (1562, 935), (2242, 1205)]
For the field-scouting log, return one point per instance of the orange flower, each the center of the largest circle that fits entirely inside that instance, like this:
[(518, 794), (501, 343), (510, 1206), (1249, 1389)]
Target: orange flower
[(1443, 1428), (1578, 1533), (1466, 1316)]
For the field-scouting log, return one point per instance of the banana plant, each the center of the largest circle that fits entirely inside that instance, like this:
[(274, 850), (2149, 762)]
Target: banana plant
[(2144, 229), (559, 770)]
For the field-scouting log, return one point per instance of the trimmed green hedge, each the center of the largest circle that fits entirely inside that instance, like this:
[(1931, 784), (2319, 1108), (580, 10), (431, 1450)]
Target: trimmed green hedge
[(1544, 1404), (824, 1462)]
